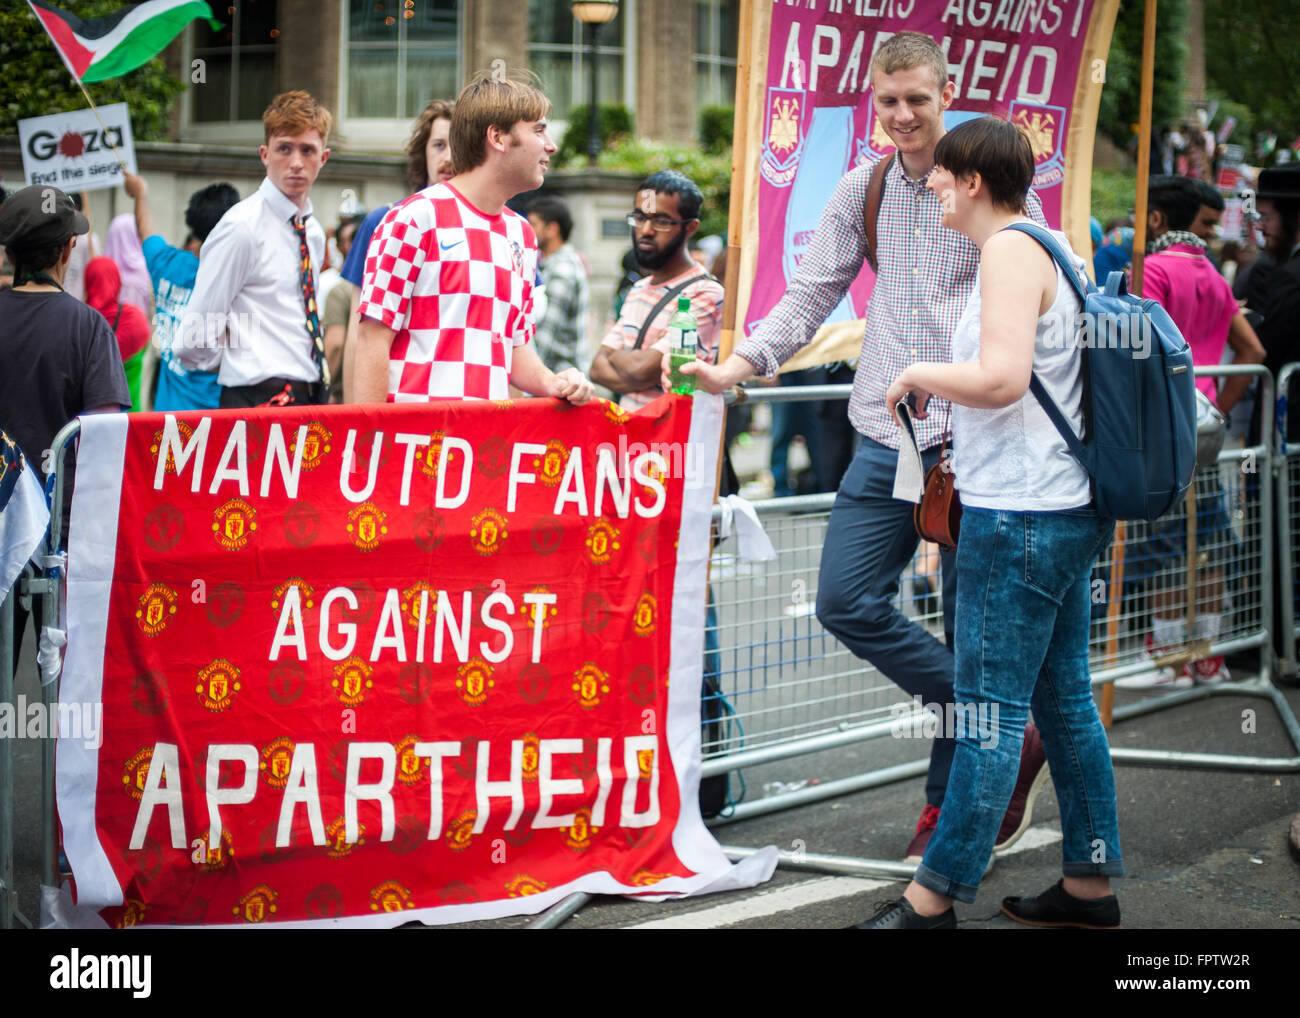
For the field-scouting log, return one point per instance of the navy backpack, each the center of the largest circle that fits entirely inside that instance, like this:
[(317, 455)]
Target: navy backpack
[(1139, 397)]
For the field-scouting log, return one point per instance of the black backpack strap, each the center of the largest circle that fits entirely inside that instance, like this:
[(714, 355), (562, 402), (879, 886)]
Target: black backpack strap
[(663, 303), (1054, 413)]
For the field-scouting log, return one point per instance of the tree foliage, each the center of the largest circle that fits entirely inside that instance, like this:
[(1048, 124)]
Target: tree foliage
[(35, 82), (1120, 98), (1250, 56)]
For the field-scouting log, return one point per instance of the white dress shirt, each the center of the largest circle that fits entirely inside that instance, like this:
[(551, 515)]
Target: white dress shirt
[(248, 297)]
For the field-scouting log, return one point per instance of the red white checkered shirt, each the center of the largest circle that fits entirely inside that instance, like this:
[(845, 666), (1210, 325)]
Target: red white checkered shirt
[(927, 272), (456, 285)]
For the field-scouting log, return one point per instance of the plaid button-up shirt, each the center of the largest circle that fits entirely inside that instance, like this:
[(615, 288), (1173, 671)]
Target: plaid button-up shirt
[(926, 273)]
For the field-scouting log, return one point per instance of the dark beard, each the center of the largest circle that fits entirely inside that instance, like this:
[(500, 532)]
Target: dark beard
[(659, 259)]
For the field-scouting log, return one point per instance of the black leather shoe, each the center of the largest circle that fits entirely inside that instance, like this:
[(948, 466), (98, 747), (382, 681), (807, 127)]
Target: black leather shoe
[(899, 915), (1057, 907)]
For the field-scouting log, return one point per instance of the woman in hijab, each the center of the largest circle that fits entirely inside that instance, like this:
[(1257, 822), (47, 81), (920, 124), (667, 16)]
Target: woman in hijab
[(129, 324), (123, 246)]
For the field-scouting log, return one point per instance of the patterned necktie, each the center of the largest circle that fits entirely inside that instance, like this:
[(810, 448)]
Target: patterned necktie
[(309, 301)]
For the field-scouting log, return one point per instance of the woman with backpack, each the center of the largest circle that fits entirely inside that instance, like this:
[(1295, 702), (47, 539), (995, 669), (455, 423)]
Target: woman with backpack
[(1029, 536)]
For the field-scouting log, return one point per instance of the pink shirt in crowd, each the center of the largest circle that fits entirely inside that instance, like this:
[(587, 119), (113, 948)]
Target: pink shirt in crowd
[(1198, 299)]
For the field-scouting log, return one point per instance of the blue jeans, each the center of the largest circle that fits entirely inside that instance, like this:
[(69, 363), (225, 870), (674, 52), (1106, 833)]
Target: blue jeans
[(870, 539), (1022, 642)]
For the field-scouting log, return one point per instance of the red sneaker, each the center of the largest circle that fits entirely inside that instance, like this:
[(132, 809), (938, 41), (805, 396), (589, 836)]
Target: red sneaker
[(1030, 780), (924, 828)]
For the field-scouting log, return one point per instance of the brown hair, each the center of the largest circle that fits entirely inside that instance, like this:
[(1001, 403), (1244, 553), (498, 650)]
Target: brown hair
[(292, 113), (995, 149), (906, 50), (417, 166), (491, 101)]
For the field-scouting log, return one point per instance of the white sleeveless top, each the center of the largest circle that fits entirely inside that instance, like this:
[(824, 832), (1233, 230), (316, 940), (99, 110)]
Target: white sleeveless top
[(1014, 458)]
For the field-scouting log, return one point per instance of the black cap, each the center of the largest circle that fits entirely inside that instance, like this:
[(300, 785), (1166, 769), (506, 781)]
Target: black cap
[(1280, 182), (39, 216)]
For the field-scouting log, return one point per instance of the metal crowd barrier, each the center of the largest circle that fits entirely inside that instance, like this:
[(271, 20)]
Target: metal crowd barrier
[(790, 688), (786, 687), (1287, 463)]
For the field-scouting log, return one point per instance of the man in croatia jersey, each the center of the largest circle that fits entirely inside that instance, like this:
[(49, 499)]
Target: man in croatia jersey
[(447, 300)]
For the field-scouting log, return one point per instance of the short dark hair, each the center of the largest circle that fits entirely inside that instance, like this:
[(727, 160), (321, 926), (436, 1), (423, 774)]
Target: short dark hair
[(1177, 197), (689, 197), (207, 206), (1210, 195), (995, 149), (552, 209)]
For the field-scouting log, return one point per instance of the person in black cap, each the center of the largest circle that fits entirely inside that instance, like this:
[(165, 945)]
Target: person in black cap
[(58, 357)]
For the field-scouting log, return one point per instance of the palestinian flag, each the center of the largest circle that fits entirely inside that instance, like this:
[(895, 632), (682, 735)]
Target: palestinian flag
[(99, 48)]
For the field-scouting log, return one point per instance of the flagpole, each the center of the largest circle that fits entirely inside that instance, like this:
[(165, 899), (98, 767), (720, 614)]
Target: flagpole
[(106, 136)]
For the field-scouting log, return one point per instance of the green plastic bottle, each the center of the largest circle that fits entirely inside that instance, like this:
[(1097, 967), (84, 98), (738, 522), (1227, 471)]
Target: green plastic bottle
[(683, 335)]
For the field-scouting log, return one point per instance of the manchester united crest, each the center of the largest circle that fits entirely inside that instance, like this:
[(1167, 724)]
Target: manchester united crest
[(474, 681), (210, 859), (417, 599), (136, 773), (487, 530), (460, 832), (155, 608), (352, 679), (411, 769), (643, 616), (390, 896), (644, 878), (645, 763), (432, 455), (602, 542), (257, 905), (186, 433), (301, 522), (337, 845), (550, 464), (578, 835), (315, 445), (217, 686), (590, 684), (616, 413), (531, 756), (132, 914), (305, 593), (531, 609), (275, 762), (522, 885), (163, 528), (366, 526), (233, 524)]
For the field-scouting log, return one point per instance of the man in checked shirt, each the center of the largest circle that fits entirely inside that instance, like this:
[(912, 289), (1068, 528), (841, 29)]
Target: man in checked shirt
[(925, 274)]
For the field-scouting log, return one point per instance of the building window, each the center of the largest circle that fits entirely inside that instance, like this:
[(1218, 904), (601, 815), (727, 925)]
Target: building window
[(238, 61), (401, 54), (716, 28), (558, 51)]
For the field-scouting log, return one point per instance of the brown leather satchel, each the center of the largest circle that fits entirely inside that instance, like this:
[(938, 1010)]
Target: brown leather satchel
[(938, 514)]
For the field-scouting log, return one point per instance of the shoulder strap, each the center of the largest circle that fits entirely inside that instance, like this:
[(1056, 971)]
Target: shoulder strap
[(118, 318), (871, 214), (1035, 385), (663, 302)]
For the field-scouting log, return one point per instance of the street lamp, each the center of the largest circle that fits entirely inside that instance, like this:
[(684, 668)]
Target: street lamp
[(593, 13)]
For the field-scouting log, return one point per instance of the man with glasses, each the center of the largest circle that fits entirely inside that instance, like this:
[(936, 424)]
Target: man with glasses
[(630, 360)]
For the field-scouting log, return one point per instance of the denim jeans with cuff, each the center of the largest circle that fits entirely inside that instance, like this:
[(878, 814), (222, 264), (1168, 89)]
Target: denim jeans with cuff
[(1022, 642)]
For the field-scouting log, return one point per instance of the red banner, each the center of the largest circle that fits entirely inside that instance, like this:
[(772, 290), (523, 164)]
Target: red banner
[(360, 666)]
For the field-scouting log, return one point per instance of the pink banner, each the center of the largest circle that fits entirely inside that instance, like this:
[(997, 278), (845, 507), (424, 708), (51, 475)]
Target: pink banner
[(1016, 58)]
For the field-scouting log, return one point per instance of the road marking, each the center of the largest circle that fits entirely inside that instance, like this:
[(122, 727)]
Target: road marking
[(809, 892), (812, 892), (1035, 837)]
